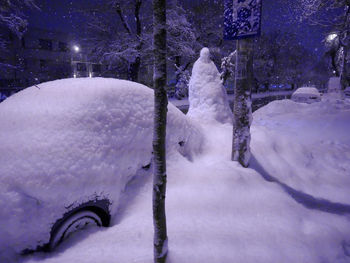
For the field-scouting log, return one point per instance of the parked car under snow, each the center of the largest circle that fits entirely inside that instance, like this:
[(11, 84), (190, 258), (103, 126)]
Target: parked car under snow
[(306, 95), (68, 149)]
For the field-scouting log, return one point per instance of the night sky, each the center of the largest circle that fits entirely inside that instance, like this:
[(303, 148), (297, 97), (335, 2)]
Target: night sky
[(61, 16)]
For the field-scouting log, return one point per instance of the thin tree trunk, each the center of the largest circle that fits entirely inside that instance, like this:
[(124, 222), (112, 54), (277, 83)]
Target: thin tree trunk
[(344, 71), (242, 103), (134, 67), (159, 133), (334, 64)]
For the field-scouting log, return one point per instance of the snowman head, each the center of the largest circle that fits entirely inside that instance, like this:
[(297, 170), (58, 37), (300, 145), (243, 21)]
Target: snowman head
[(205, 55)]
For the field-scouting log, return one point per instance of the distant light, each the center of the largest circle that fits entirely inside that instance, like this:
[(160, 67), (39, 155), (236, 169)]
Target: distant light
[(331, 37), (75, 75), (76, 48), (334, 72), (90, 75)]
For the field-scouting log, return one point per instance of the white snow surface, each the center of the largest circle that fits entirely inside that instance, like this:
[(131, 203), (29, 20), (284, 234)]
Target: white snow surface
[(218, 211), (334, 85), (306, 146), (306, 94), (308, 91), (334, 89), (70, 141), (208, 100)]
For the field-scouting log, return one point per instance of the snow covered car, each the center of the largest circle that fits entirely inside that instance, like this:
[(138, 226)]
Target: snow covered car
[(68, 149), (306, 95)]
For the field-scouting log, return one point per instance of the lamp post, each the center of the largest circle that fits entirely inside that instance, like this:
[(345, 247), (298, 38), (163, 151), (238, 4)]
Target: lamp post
[(333, 46), (75, 49)]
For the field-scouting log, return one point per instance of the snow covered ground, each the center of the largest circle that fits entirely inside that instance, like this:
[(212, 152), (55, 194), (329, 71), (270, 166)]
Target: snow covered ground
[(306, 146), (220, 212), (67, 142)]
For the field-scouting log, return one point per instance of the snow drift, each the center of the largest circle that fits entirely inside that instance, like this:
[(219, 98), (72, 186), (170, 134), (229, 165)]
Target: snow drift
[(306, 146), (218, 211)]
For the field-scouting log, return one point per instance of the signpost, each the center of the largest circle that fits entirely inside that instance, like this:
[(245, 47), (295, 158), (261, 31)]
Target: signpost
[(242, 19), (242, 23)]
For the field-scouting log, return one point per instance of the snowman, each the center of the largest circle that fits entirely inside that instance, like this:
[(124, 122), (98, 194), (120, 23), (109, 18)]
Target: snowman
[(207, 95)]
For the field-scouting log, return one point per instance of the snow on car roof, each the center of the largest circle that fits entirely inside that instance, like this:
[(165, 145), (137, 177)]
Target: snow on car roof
[(66, 141), (307, 90)]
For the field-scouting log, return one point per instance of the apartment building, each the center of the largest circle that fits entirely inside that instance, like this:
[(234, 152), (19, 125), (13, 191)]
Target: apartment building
[(42, 55)]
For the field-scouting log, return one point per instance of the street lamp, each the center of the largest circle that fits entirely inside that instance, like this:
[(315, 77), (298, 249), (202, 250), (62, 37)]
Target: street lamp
[(76, 48), (331, 37)]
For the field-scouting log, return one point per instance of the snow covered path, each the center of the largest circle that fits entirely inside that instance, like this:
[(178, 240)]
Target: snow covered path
[(216, 212)]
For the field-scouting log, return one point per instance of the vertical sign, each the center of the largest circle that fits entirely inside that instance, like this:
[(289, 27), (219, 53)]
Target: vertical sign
[(242, 19)]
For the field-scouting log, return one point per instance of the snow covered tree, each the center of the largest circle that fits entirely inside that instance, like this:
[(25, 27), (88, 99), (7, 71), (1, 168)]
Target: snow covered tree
[(277, 60), (120, 35), (338, 24), (333, 50), (12, 17), (207, 17), (182, 44), (159, 132), (181, 86), (228, 66), (116, 34)]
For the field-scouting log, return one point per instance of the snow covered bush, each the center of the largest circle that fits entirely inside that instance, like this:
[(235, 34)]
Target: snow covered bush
[(181, 87), (228, 67)]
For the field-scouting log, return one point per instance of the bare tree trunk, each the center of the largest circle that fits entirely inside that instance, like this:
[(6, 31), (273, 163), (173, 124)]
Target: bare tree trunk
[(344, 73), (242, 103), (133, 70), (159, 133), (134, 67)]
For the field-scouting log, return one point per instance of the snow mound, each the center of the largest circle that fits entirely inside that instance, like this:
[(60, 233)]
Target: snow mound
[(207, 96), (217, 212), (306, 146), (69, 141), (334, 84), (333, 91)]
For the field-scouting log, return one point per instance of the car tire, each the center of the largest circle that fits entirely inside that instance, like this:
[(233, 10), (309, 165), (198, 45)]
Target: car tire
[(73, 223)]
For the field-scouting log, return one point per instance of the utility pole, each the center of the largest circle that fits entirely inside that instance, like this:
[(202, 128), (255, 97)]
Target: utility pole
[(242, 23), (242, 109)]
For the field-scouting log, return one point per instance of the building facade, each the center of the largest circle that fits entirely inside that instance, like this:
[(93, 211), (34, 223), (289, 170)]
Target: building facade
[(40, 56)]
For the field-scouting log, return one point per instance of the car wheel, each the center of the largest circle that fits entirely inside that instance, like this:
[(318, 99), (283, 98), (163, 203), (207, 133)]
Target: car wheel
[(74, 223)]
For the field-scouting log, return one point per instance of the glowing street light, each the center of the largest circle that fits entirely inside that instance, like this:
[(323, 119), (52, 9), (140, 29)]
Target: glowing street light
[(331, 37), (76, 48)]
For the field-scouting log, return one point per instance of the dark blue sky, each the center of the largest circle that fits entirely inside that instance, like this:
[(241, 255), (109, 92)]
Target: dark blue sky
[(60, 15), (276, 16)]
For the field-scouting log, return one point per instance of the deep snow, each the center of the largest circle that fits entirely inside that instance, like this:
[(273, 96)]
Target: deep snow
[(218, 211), (69, 141), (306, 146)]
